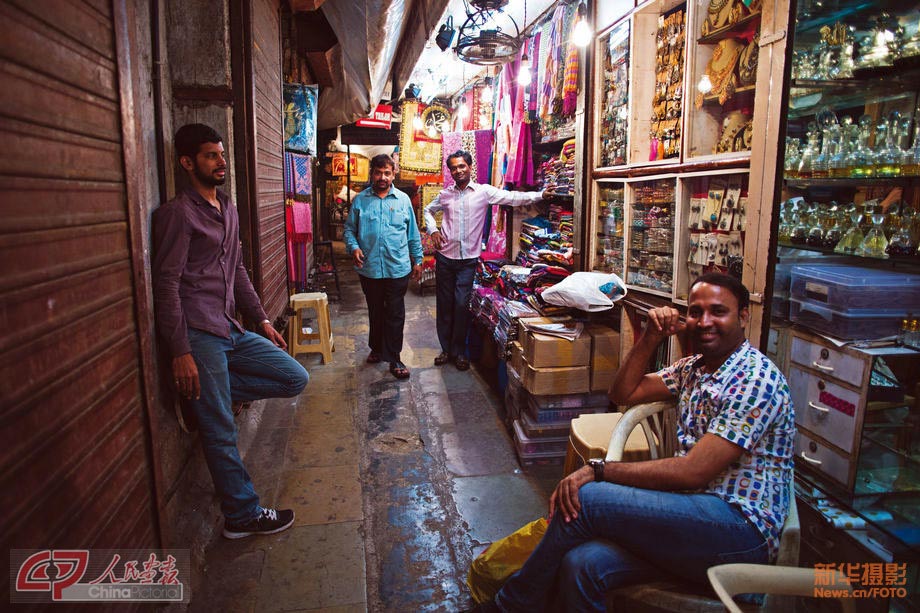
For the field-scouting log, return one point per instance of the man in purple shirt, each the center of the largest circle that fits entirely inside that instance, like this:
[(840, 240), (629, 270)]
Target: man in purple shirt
[(199, 281), (459, 242)]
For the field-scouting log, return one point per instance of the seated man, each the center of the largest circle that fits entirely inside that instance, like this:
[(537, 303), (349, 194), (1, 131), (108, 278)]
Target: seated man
[(722, 498)]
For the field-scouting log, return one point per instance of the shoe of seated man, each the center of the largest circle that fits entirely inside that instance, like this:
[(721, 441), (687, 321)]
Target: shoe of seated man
[(269, 521)]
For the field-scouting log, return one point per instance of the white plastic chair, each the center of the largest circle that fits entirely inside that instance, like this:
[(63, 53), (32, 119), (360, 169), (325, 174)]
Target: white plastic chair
[(730, 579), (659, 422)]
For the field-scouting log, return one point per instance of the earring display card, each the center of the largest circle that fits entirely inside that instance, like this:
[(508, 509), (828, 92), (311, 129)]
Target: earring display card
[(650, 260), (715, 224), (609, 249), (614, 98)]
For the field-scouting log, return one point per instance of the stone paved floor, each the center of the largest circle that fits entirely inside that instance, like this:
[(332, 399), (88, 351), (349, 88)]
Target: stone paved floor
[(396, 484)]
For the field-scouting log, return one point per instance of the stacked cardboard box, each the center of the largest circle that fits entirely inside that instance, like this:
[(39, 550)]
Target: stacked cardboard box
[(554, 380)]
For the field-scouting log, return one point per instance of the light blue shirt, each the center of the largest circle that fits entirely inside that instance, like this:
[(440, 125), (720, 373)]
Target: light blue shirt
[(386, 231)]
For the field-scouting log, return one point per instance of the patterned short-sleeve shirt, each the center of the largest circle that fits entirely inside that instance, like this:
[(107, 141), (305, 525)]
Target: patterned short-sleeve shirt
[(745, 401)]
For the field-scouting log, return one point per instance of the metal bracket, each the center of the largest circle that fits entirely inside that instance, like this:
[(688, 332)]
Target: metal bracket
[(775, 37)]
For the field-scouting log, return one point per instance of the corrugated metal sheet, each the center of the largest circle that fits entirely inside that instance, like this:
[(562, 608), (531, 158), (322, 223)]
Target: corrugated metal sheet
[(74, 462), (269, 176)]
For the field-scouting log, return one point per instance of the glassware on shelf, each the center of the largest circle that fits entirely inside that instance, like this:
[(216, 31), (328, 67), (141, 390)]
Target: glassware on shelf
[(903, 243), (875, 244), (810, 152), (785, 223), (838, 162), (862, 160), (888, 155), (853, 238), (792, 158), (911, 165), (879, 47), (818, 221), (830, 134), (833, 235)]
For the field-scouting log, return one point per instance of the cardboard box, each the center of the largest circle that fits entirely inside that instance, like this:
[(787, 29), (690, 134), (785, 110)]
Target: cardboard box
[(517, 358), (547, 351), (572, 380), (523, 321), (605, 356)]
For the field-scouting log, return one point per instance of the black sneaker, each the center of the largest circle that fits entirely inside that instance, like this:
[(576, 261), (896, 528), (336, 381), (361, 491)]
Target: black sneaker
[(269, 522)]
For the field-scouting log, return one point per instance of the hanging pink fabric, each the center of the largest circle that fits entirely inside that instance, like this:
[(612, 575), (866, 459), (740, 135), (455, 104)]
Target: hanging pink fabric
[(302, 222), (520, 154)]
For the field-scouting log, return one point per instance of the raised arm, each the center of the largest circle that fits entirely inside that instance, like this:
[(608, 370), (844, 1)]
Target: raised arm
[(632, 385)]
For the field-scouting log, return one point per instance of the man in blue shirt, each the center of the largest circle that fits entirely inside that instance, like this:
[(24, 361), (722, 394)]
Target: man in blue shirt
[(381, 235)]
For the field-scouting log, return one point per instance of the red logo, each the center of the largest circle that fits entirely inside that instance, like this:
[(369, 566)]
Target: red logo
[(67, 567)]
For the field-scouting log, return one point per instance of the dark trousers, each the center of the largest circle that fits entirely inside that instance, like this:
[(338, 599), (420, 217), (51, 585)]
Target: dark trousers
[(386, 310), (454, 284)]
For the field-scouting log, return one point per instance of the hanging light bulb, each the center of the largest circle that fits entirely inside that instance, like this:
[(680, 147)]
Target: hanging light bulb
[(464, 109), (486, 92), (705, 85), (581, 33), (417, 122), (524, 75)]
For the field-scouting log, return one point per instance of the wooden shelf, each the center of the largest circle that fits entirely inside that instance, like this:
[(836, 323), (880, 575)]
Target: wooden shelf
[(729, 31), (850, 182), (747, 90)]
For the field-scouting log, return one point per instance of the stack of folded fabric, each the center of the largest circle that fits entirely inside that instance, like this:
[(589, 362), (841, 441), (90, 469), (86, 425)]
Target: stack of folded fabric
[(506, 331), (545, 241), (484, 305), (563, 170), (487, 272)]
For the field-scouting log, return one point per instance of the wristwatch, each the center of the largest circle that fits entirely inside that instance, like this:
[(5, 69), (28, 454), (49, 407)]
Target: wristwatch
[(598, 465)]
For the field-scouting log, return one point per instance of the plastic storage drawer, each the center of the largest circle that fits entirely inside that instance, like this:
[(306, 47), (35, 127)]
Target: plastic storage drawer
[(555, 445), (547, 429), (852, 324), (844, 288)]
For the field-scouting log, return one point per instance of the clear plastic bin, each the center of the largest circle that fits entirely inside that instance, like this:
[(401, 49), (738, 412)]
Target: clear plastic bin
[(535, 429), (844, 288), (555, 445), (542, 416), (852, 324), (570, 401)]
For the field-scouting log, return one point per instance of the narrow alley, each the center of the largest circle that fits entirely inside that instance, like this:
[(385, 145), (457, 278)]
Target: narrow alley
[(396, 484)]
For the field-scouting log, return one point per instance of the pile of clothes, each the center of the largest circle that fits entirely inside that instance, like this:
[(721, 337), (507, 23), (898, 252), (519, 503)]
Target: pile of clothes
[(542, 242)]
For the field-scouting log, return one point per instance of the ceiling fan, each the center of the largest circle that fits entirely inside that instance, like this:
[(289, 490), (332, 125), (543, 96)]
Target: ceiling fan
[(486, 37)]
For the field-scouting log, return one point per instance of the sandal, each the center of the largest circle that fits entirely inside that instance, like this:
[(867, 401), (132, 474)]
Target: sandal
[(443, 358), (373, 357), (399, 370), (462, 363)]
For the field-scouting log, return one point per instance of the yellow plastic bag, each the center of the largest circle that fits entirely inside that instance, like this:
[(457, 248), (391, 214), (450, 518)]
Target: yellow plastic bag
[(503, 558)]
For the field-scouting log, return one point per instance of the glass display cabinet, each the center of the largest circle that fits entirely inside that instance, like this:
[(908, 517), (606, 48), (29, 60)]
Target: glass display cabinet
[(845, 278)]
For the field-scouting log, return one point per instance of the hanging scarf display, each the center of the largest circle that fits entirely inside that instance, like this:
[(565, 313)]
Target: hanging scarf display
[(570, 82), (550, 68)]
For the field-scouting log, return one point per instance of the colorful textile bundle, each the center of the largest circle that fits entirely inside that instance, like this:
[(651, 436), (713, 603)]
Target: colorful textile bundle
[(570, 82), (487, 272), (541, 241), (298, 178)]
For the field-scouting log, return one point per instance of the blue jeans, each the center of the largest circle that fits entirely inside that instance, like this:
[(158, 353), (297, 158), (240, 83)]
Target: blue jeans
[(626, 535), (454, 282), (245, 366)]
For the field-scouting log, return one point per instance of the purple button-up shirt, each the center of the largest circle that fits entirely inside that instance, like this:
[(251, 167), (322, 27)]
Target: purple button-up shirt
[(198, 272)]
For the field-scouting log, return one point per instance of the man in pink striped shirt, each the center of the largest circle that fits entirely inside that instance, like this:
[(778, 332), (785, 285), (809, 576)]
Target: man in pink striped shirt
[(464, 206)]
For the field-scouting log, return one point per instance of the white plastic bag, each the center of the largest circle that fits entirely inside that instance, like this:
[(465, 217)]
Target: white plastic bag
[(588, 291)]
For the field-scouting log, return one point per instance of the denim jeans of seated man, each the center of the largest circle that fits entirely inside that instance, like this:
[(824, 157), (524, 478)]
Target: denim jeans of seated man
[(625, 535), (244, 367)]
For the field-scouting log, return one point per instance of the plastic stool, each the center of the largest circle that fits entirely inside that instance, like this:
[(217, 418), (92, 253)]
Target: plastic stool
[(323, 255), (301, 342), (590, 436)]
